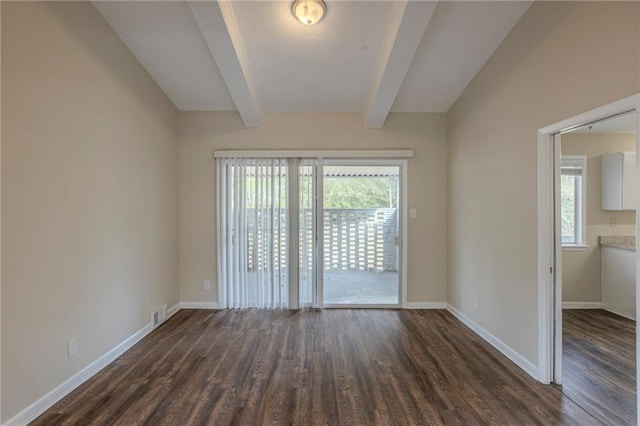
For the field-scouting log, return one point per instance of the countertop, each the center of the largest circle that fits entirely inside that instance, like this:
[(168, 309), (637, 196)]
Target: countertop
[(619, 241)]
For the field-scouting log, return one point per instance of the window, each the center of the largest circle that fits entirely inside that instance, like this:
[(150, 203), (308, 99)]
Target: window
[(573, 189)]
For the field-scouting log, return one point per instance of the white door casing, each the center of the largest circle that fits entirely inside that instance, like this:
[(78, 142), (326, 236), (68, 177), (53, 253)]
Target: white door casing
[(549, 263)]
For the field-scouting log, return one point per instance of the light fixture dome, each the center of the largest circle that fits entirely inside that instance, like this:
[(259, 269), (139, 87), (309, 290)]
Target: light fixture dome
[(309, 12)]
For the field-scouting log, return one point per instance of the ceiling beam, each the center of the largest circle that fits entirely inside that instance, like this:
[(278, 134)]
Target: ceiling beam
[(219, 28), (409, 20)]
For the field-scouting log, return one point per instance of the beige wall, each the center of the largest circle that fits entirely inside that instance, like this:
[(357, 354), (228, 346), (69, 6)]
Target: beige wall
[(582, 270), (561, 59), (89, 195), (0, 216), (201, 133)]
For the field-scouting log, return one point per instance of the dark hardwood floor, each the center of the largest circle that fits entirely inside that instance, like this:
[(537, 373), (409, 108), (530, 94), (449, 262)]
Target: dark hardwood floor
[(361, 367), (599, 364)]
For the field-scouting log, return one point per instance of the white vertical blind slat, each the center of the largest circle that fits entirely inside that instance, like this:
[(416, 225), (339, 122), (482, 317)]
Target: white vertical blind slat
[(222, 218), (272, 235), (242, 240), (251, 194), (228, 236), (237, 284), (278, 283)]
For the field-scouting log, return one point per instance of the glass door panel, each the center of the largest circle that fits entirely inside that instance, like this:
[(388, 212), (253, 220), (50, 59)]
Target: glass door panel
[(361, 228), (307, 244)]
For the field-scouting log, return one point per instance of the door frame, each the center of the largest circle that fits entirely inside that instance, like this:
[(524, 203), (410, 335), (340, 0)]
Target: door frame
[(402, 204), (549, 260), (362, 156)]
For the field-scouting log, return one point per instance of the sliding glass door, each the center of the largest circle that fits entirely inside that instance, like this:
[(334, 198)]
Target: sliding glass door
[(296, 233), (361, 229)]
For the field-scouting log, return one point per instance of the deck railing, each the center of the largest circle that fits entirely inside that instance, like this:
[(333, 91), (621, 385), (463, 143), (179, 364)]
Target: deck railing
[(354, 239)]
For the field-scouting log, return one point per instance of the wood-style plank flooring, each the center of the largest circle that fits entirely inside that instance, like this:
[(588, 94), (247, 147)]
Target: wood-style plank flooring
[(336, 367), (599, 364)]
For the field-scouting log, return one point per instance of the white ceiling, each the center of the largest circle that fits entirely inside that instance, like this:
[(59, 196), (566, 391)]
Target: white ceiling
[(163, 35), (327, 67), (458, 41), (364, 56)]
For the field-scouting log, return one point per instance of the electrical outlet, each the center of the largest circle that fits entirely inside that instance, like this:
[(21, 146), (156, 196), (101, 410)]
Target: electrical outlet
[(207, 285), (72, 347), (476, 303), (614, 222)]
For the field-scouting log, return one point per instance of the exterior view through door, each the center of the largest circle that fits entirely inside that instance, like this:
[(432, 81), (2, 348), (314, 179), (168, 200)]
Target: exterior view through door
[(279, 219), (361, 234)]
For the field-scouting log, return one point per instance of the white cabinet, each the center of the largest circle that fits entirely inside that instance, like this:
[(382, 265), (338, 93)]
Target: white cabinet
[(619, 281), (619, 181)]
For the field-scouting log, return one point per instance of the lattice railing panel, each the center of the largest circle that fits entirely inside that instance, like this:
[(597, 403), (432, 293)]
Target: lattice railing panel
[(360, 239), (354, 239)]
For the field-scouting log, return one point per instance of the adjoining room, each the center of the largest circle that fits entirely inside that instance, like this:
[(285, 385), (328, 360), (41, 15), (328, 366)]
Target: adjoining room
[(598, 221)]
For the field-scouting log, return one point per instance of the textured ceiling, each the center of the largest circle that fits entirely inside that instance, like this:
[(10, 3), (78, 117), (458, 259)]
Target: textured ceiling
[(458, 41), (326, 67), (163, 35), (329, 67)]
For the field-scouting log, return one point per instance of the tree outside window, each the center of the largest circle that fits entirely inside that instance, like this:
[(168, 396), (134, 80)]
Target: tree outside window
[(573, 199)]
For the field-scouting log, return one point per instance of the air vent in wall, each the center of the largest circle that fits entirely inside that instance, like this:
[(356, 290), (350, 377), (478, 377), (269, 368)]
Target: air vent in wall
[(159, 315)]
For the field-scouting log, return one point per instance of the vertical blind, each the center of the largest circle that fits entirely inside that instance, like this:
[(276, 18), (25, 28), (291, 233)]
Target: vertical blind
[(307, 246), (253, 243)]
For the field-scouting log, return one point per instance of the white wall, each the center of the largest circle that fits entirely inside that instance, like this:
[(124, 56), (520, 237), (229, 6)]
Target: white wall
[(201, 133), (89, 195), (582, 270), (561, 59)]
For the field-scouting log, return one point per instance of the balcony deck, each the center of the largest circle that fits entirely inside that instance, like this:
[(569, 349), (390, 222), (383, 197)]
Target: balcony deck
[(360, 287)]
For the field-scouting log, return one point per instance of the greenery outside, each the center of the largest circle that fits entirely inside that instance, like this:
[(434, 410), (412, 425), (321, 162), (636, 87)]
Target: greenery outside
[(360, 192), (339, 192), (568, 205)]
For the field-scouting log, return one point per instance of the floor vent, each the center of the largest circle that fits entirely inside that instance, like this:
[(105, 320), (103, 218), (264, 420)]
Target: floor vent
[(159, 315)]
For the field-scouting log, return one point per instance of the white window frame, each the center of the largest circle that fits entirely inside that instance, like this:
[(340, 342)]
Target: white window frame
[(580, 240)]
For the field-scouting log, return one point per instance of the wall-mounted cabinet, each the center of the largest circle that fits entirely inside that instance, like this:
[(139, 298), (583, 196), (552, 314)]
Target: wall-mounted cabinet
[(619, 181)]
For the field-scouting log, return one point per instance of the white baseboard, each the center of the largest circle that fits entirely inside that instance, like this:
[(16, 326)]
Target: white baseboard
[(172, 310), (581, 305), (425, 305), (199, 305), (505, 349), (41, 405), (620, 314)]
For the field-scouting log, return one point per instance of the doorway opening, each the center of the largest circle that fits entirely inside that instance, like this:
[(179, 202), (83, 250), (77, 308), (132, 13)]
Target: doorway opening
[(550, 250), (597, 274), (361, 234)]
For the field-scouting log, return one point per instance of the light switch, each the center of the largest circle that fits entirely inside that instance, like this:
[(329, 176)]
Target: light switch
[(413, 213)]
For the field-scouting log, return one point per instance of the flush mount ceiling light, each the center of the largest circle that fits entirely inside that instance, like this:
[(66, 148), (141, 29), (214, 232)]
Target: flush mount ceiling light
[(309, 12)]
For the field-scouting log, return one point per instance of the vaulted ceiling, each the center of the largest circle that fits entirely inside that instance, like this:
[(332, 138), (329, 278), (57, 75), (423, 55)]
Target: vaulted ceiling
[(372, 57)]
